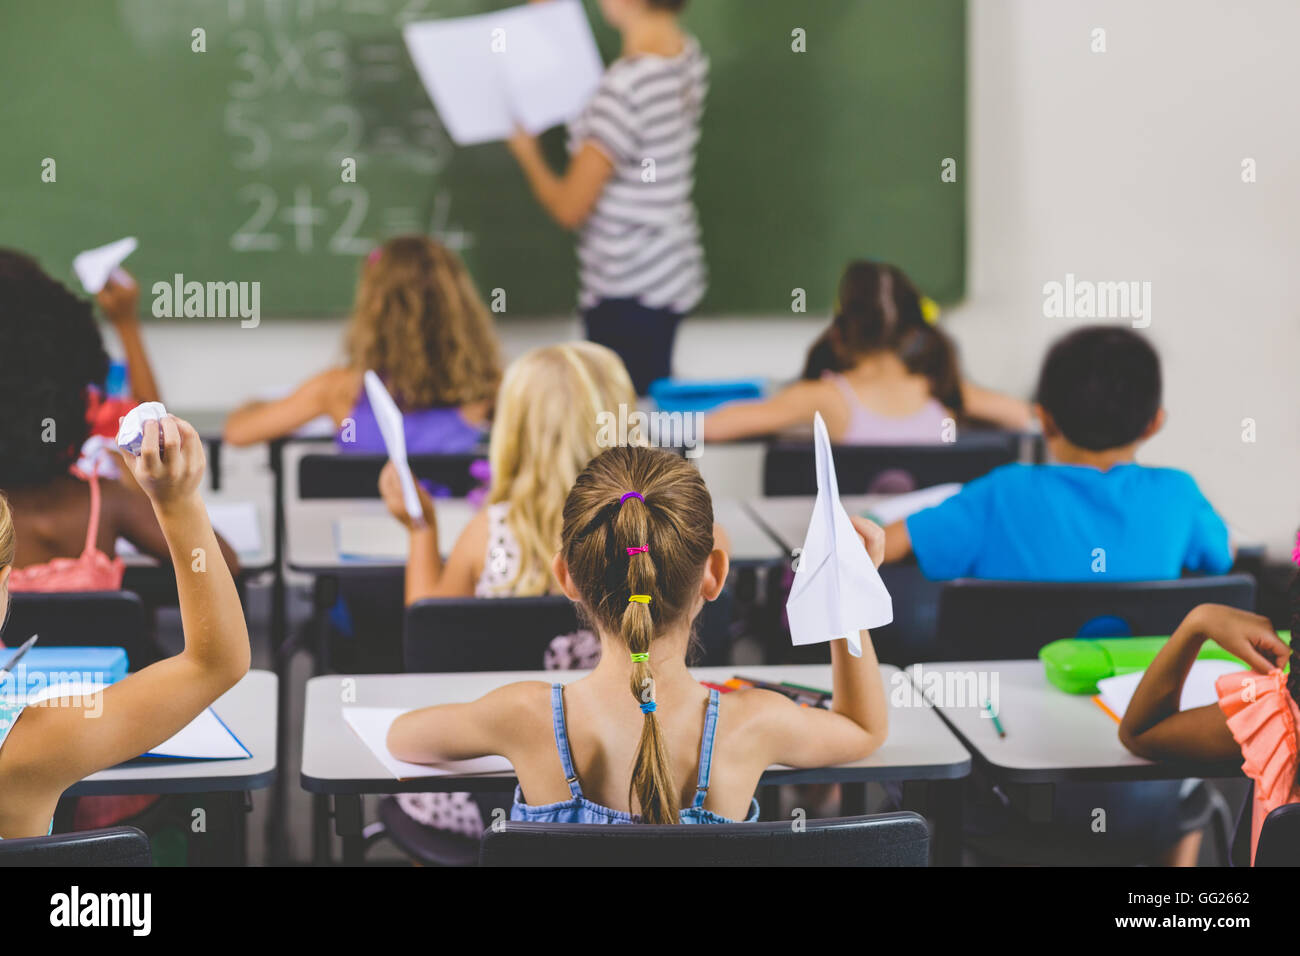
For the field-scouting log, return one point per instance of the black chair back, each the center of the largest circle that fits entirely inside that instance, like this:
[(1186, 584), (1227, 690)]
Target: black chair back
[(357, 476), (883, 839), (85, 619), (453, 635), (114, 846), (1279, 837), (450, 635), (790, 468), (1011, 620)]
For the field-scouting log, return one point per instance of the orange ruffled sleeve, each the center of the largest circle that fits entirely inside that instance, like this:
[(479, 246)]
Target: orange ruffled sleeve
[(1263, 719)]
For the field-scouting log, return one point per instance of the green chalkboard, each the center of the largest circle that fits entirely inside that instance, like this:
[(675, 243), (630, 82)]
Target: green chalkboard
[(227, 163)]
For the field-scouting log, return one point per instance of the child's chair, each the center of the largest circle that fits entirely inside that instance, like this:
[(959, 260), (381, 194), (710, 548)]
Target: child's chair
[(114, 846), (882, 839)]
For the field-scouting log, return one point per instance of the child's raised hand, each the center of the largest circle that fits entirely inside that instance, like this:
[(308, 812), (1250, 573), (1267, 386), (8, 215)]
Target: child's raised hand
[(1242, 634), (873, 538), (119, 300), (171, 462), (390, 489)]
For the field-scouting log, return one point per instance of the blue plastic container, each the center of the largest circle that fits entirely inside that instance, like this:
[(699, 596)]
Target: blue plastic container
[(676, 395)]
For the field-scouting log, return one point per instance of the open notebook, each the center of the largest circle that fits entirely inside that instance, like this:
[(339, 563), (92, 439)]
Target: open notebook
[(206, 737), (1114, 693), (371, 725)]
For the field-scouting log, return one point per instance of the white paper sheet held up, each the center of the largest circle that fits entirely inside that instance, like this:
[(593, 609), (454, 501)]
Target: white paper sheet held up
[(95, 266), (533, 66), (837, 591), (1198, 690), (371, 725), (393, 429)]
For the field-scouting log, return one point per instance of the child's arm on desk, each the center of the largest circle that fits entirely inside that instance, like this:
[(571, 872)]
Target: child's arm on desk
[(793, 405), (1154, 727)]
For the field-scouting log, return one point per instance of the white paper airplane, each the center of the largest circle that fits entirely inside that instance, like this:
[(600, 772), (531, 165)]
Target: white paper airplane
[(95, 267), (393, 430), (837, 591)]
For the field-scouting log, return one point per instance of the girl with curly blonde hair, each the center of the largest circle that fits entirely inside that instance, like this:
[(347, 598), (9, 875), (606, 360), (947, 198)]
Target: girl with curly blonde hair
[(420, 325)]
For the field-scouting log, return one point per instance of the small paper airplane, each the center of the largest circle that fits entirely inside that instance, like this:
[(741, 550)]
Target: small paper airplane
[(391, 427), (837, 591), (95, 267)]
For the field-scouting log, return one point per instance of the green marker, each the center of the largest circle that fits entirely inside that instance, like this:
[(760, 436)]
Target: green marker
[(997, 724)]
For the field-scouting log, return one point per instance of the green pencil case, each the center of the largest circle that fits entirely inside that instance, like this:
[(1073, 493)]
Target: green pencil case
[(1076, 664)]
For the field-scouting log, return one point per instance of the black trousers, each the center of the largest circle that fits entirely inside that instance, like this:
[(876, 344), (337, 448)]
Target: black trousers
[(642, 337)]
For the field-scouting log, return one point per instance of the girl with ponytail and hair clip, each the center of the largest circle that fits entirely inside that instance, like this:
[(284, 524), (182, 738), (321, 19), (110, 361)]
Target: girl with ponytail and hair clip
[(1257, 716), (881, 374), (638, 739)]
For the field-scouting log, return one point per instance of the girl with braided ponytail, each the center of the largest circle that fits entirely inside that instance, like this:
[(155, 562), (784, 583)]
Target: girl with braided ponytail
[(638, 739), (1257, 717)]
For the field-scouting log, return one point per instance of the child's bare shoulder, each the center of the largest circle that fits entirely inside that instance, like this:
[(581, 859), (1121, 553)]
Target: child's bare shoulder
[(522, 698), (752, 706)]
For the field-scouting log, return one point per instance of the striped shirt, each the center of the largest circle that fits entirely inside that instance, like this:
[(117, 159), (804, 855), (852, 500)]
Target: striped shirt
[(642, 239)]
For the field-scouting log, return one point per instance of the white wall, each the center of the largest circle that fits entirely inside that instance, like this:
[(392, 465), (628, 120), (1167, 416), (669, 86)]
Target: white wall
[(1123, 165)]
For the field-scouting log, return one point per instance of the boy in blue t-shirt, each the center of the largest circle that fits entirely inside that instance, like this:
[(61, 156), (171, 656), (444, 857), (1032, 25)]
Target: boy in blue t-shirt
[(1094, 511)]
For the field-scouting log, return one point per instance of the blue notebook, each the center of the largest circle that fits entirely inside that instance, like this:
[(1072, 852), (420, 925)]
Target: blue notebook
[(42, 666)]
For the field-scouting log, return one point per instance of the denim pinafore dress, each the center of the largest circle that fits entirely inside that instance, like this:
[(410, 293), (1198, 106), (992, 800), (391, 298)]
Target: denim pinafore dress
[(578, 809)]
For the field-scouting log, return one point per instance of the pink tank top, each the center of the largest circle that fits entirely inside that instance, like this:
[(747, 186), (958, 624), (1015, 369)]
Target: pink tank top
[(923, 427), (93, 570)]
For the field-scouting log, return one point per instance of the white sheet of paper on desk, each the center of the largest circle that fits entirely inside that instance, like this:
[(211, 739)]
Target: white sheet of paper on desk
[(897, 507), (371, 725), (533, 66), (393, 429), (837, 591), (205, 737), (370, 538), (95, 266), (1198, 690)]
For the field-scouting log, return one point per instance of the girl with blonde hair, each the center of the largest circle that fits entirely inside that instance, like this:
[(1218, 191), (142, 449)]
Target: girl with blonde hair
[(420, 325), (544, 433)]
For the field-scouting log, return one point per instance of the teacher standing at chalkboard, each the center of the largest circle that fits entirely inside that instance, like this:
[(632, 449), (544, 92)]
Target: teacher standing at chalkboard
[(627, 189)]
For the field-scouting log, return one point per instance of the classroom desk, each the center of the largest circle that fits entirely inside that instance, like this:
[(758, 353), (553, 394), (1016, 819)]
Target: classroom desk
[(786, 517), (312, 544), (313, 547), (1051, 737), (249, 710), (335, 763)]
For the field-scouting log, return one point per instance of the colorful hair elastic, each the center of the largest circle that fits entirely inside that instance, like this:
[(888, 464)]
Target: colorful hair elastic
[(375, 253), (639, 598), (638, 658), (648, 707), (641, 550), (1295, 555), (631, 494)]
